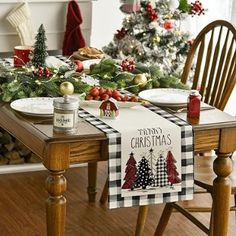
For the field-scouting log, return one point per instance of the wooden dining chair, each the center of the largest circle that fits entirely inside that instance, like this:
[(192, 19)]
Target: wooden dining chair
[(212, 58)]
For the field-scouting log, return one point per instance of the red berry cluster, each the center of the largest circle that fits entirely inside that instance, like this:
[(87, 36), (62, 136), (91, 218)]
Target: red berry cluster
[(128, 64), (151, 13), (121, 33), (42, 72), (197, 8), (100, 93)]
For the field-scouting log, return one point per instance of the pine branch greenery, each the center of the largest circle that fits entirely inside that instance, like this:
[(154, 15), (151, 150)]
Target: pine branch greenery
[(23, 82)]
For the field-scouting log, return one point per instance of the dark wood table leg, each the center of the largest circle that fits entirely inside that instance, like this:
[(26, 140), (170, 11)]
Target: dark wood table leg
[(56, 203), (92, 181)]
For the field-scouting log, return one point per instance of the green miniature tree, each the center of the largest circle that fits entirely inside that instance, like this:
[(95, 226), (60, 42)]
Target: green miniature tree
[(39, 53)]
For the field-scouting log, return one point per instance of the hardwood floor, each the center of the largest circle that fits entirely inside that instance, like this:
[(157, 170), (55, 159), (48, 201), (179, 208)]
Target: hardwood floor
[(22, 212)]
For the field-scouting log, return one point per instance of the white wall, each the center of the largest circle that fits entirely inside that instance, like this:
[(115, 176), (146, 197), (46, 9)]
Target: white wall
[(50, 13), (106, 19)]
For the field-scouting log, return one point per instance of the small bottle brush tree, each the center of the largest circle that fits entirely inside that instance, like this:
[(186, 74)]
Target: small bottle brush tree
[(39, 53)]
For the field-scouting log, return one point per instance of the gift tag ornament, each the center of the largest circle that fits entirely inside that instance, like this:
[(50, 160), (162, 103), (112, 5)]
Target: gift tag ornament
[(65, 115)]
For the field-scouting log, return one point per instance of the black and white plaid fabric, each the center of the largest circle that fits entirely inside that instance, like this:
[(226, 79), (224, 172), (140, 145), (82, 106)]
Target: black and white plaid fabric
[(114, 149), (161, 177)]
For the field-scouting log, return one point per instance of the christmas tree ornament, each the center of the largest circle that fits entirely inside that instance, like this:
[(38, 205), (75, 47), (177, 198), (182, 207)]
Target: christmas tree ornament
[(173, 4), (140, 80), (130, 6), (109, 109), (20, 18), (121, 33), (197, 8), (168, 25), (67, 88), (156, 39), (65, 115)]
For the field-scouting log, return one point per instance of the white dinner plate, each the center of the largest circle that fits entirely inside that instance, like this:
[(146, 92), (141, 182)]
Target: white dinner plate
[(166, 96), (88, 63), (96, 104), (37, 106)]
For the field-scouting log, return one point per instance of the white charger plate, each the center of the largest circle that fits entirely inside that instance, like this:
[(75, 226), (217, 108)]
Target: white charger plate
[(96, 104), (168, 97), (37, 106)]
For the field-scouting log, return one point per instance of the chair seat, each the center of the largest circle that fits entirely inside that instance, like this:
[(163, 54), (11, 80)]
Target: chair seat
[(204, 174)]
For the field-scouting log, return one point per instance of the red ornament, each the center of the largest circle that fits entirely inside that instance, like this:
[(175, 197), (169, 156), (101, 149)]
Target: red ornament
[(168, 25), (78, 65), (197, 8), (151, 13), (128, 64), (121, 33)]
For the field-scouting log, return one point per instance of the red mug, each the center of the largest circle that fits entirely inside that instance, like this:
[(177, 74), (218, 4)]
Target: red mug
[(21, 55)]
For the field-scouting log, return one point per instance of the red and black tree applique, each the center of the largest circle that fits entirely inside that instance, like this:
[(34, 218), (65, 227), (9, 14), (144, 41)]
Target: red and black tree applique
[(161, 179), (144, 174), (130, 173), (172, 169)]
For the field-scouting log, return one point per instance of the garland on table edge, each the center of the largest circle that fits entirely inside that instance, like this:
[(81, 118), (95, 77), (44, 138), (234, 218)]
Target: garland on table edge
[(29, 81)]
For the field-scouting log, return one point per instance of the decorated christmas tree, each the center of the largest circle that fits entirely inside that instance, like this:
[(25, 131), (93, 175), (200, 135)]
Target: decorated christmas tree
[(144, 175), (173, 175), (161, 179), (151, 34), (40, 47), (130, 173)]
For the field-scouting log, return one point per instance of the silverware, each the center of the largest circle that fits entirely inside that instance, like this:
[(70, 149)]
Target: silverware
[(184, 109)]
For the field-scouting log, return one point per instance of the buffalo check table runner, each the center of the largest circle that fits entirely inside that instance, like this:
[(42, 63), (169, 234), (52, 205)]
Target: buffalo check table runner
[(148, 164)]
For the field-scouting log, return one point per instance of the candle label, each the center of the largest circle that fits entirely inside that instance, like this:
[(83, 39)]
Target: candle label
[(63, 120)]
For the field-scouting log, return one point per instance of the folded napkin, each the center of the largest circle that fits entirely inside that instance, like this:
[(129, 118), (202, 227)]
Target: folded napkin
[(73, 38)]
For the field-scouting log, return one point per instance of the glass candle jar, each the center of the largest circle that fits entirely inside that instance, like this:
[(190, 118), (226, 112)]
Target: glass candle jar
[(65, 117)]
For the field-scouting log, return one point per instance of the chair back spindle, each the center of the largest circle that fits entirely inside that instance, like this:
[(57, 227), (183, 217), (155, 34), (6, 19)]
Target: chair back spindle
[(212, 57)]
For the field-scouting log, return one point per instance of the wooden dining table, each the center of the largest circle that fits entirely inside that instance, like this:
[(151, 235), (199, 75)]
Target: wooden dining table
[(215, 130)]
